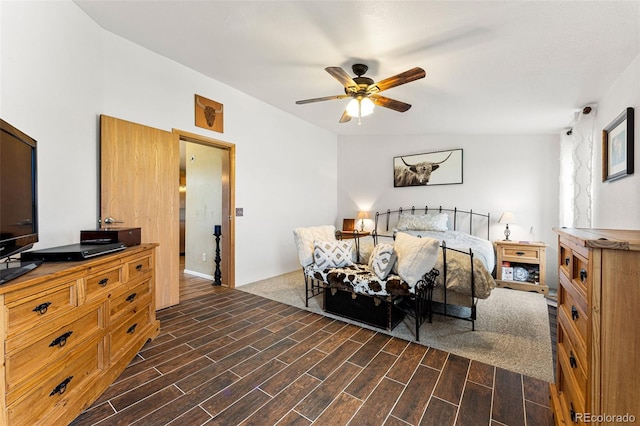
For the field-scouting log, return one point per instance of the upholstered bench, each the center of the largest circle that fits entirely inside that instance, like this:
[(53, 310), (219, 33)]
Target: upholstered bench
[(398, 279)]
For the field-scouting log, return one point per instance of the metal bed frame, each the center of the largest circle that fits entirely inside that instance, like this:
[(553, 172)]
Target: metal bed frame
[(467, 313)]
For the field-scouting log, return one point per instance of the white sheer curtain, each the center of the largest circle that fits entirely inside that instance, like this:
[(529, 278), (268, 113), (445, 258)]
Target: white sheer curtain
[(576, 170)]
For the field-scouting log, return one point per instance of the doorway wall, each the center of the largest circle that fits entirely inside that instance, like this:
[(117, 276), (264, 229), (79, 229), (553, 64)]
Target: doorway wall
[(202, 206), (209, 200)]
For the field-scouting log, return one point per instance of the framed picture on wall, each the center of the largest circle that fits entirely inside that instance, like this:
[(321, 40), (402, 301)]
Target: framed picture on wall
[(209, 114), (433, 168), (617, 147)]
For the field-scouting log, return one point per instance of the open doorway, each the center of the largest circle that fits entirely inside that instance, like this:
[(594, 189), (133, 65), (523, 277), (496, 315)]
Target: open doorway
[(206, 201)]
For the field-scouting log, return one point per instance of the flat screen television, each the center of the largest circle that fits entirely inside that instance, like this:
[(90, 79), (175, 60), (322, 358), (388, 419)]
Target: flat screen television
[(18, 200)]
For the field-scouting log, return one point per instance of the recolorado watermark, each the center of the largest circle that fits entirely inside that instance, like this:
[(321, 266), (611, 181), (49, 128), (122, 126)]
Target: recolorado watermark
[(605, 418)]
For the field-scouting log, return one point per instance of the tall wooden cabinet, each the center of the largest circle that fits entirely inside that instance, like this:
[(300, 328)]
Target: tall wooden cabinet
[(69, 329), (598, 327)]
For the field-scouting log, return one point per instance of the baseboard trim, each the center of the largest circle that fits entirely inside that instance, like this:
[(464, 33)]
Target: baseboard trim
[(198, 274)]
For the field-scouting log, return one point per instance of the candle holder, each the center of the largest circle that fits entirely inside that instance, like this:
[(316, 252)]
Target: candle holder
[(217, 276)]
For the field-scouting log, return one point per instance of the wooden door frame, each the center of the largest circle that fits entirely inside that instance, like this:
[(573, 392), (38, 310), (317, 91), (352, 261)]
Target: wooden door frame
[(228, 241)]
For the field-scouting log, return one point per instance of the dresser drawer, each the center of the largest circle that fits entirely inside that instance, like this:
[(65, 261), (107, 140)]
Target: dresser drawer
[(580, 272), (139, 268), (55, 389), (22, 363), (564, 262), (130, 300), (570, 332), (101, 282), (521, 254), (573, 307), (31, 312), (126, 333), (571, 400), (571, 363)]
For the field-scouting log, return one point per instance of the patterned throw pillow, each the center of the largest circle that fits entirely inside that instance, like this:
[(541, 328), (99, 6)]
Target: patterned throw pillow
[(382, 259), (416, 256), (422, 222), (332, 254)]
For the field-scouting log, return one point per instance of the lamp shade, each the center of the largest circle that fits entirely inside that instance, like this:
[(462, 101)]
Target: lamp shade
[(360, 107), (507, 217), (363, 215)]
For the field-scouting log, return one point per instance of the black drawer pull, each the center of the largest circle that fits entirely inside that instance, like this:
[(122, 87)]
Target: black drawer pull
[(61, 340), (62, 387), (572, 360), (42, 308), (132, 329), (583, 275), (572, 413), (139, 267), (103, 282), (567, 260), (520, 253), (574, 313), (131, 297)]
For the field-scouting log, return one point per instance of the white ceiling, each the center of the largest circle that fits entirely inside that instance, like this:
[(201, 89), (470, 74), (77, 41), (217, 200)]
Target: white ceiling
[(492, 66)]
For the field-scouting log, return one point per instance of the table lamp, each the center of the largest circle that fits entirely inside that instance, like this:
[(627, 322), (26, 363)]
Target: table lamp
[(362, 215), (507, 218)]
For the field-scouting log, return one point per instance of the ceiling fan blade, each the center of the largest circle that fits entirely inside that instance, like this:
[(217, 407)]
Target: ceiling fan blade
[(326, 98), (345, 117), (344, 78), (398, 79), (390, 103)]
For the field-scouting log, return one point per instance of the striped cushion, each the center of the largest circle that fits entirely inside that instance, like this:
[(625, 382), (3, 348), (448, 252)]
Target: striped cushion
[(332, 254)]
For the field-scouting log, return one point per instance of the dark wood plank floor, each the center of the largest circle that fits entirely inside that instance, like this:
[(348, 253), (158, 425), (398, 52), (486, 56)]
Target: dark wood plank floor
[(227, 357)]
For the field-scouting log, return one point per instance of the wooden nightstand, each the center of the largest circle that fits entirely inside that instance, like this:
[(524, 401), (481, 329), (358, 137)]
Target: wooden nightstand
[(347, 235), (521, 265)]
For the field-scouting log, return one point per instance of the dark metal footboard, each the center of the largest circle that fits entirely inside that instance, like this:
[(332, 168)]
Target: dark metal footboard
[(418, 305), (467, 313)]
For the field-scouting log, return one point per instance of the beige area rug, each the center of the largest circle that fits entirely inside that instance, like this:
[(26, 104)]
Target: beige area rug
[(512, 327)]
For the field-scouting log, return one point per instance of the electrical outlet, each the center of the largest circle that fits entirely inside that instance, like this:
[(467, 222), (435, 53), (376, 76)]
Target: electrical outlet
[(204, 257)]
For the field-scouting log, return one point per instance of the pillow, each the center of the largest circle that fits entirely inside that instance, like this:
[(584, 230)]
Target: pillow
[(422, 222), (332, 254), (304, 238), (416, 256), (382, 259)]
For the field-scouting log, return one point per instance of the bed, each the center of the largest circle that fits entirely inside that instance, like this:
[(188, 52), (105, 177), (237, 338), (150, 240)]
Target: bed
[(466, 261)]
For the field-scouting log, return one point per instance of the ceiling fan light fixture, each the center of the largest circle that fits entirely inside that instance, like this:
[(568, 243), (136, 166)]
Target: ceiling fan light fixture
[(360, 107)]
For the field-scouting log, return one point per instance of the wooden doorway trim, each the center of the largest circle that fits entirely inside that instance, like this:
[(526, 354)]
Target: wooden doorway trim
[(228, 242)]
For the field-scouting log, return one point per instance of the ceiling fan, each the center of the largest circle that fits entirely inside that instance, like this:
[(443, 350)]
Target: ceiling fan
[(364, 92)]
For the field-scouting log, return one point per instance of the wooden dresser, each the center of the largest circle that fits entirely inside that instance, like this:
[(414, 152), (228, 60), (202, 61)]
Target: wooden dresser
[(598, 327), (69, 329)]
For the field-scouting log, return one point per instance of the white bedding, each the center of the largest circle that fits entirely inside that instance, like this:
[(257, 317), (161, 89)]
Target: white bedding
[(457, 279), (482, 249)]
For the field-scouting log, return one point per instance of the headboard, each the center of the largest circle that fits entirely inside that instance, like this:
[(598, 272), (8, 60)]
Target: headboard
[(467, 221)]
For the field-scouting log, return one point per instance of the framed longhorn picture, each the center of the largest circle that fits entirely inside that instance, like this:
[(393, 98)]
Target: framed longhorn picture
[(433, 168), (209, 114)]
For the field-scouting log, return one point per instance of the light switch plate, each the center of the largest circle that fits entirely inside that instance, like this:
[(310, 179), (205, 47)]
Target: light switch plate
[(239, 211)]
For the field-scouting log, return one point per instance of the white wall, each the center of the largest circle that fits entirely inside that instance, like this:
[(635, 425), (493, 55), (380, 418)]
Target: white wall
[(203, 207), (51, 89), (616, 204), (60, 71), (517, 173)]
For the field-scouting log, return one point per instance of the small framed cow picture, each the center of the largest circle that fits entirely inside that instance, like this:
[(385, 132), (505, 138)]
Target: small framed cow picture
[(209, 114), (432, 168)]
